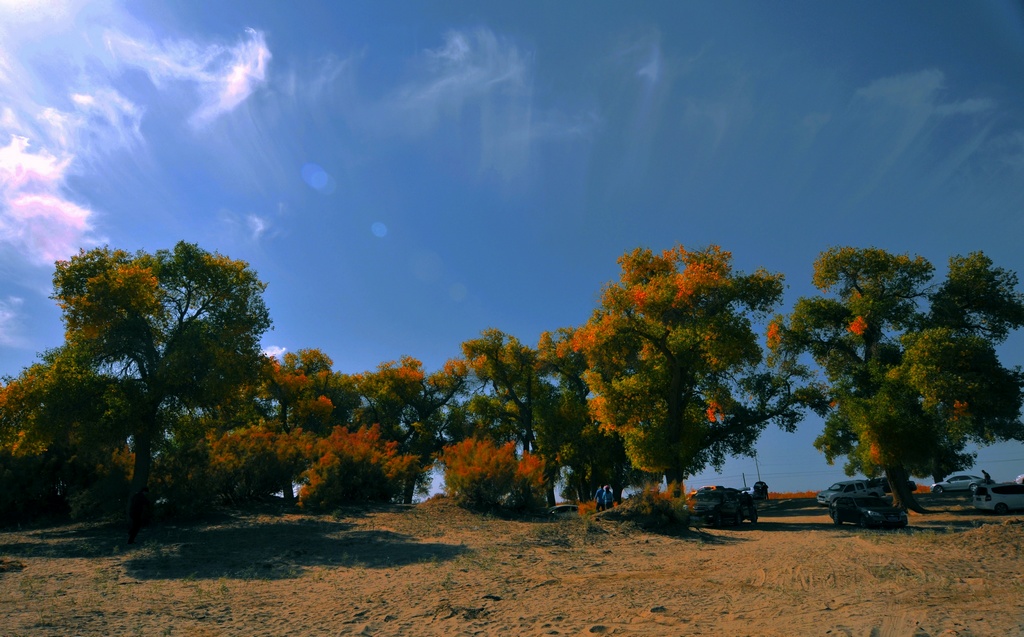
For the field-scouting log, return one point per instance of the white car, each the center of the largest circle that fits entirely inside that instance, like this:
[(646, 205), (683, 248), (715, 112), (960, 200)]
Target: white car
[(848, 487), (958, 482), (1001, 498)]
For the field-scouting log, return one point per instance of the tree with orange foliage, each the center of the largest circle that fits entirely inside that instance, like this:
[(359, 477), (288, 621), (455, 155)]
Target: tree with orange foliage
[(674, 361), (301, 393), (481, 474), (911, 369), (356, 466)]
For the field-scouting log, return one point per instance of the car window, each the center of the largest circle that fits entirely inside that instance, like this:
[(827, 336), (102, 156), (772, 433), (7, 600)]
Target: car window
[(1009, 489), (835, 487), (958, 478)]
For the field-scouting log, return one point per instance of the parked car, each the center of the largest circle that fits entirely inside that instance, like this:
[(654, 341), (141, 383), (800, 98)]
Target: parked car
[(958, 482), (560, 510), (760, 490), (715, 506), (1001, 498), (848, 487), (707, 487), (867, 511), (883, 482)]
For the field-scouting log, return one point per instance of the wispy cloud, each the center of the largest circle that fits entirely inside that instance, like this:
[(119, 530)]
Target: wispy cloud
[(10, 332), (224, 75), (900, 119), (476, 78)]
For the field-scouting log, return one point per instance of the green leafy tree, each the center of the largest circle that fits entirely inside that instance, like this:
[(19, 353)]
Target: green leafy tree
[(413, 408), (912, 374), (675, 364), (572, 442), (178, 329), (516, 403), (511, 385)]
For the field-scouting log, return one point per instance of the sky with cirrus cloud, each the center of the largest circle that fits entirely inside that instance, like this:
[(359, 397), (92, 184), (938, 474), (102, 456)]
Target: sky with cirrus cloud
[(404, 175)]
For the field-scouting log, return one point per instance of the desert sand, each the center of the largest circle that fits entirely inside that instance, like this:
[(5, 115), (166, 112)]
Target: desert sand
[(434, 569)]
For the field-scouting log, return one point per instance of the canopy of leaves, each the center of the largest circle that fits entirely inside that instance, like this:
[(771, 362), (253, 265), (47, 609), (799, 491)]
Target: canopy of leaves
[(912, 370), (674, 359), (176, 329)]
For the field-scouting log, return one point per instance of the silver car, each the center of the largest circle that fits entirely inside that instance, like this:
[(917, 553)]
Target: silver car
[(958, 482)]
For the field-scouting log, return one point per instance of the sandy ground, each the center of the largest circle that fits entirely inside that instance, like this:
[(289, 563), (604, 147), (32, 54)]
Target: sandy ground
[(433, 569)]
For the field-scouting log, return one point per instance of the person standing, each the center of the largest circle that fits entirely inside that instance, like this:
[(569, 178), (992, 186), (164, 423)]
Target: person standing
[(599, 498), (609, 497), (137, 512)]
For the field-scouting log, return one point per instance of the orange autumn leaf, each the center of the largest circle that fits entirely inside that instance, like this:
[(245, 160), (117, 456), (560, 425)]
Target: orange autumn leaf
[(858, 326)]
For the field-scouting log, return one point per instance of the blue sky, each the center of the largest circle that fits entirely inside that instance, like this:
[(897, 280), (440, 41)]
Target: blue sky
[(404, 175)]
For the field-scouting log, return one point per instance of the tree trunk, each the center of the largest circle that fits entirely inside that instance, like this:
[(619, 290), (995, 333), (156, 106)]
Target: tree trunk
[(408, 491), (674, 479), (143, 457), (288, 492), (902, 497)]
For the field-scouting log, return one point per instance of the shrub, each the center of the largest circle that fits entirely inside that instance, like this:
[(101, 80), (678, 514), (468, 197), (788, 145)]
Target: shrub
[(355, 467), (181, 483), (107, 492), (479, 474), (252, 463), (30, 488), (655, 508)]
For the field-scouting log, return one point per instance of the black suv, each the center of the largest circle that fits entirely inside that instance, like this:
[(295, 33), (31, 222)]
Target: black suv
[(714, 506)]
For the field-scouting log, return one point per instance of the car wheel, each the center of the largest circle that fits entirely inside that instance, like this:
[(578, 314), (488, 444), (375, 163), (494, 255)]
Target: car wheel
[(863, 521), (753, 516), (717, 520), (937, 489), (836, 519), (1002, 509), (739, 517), (973, 488)]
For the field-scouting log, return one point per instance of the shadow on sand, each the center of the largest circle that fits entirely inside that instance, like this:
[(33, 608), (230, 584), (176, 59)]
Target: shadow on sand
[(226, 545)]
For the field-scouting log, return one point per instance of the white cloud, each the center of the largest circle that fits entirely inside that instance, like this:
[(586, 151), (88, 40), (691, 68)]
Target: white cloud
[(225, 76), (236, 81), (275, 351), (34, 217), (107, 119), (257, 226)]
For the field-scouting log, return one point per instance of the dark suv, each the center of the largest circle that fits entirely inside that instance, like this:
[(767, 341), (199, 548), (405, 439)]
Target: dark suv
[(714, 506)]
